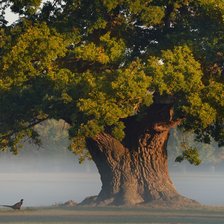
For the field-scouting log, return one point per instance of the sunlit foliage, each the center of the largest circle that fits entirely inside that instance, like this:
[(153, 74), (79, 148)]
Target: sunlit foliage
[(95, 63)]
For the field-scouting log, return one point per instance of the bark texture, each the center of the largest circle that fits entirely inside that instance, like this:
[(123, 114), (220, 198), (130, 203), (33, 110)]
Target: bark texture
[(135, 170)]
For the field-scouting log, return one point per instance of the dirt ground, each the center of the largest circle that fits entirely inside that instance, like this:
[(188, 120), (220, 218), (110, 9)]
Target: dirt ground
[(112, 215)]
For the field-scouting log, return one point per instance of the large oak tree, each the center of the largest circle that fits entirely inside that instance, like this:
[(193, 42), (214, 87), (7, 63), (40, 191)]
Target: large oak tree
[(121, 73)]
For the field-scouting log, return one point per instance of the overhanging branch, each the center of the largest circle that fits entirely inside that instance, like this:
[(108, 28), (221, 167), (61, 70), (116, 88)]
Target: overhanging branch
[(165, 126), (13, 132)]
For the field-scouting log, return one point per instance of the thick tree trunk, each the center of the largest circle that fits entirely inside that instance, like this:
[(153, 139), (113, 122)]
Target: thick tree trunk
[(135, 170)]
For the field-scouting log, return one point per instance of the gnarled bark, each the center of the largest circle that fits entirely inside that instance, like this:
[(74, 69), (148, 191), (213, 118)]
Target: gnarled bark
[(135, 170)]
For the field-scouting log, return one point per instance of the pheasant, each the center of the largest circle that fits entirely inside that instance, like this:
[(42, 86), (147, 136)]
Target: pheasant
[(15, 206)]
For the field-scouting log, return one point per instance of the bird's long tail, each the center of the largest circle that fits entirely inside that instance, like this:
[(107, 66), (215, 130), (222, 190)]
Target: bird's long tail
[(8, 206)]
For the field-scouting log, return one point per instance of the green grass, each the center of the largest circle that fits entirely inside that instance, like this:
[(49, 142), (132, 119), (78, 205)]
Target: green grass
[(112, 215)]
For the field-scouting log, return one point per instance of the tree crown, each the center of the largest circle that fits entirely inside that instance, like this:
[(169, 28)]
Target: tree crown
[(96, 63)]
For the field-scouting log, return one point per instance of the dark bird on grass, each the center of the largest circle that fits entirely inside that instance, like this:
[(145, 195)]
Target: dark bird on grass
[(15, 206)]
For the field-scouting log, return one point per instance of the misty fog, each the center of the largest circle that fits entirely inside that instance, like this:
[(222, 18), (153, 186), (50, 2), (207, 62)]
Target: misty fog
[(42, 178), (49, 175), (44, 181)]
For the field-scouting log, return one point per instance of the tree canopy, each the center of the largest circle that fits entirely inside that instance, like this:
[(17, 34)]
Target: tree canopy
[(96, 63)]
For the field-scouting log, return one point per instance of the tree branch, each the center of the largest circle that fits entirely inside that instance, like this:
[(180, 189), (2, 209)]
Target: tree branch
[(32, 124), (165, 126)]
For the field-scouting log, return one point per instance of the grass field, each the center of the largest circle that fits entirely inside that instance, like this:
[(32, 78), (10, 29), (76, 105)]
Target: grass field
[(81, 215)]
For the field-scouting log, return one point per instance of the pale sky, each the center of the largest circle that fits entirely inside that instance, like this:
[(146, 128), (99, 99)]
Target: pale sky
[(10, 17)]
